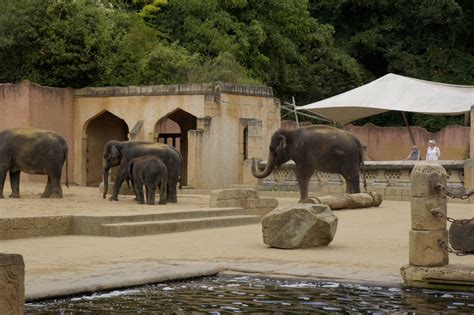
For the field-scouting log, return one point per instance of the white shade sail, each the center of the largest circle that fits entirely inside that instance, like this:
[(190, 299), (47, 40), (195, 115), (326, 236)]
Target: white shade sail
[(395, 92)]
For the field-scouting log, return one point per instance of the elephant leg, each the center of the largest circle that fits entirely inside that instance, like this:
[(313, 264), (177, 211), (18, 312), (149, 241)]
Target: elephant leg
[(57, 191), (139, 192), (48, 190), (352, 185), (15, 184), (117, 184), (3, 175), (163, 193), (303, 176), (151, 191), (135, 191), (172, 193)]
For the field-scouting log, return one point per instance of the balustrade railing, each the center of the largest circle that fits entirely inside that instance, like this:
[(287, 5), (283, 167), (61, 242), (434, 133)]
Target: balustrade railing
[(391, 178)]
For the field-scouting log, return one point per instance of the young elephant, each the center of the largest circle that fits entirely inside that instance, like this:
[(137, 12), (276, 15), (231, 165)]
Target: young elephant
[(150, 171)]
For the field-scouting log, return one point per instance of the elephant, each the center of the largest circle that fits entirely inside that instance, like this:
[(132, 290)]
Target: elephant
[(150, 171), (33, 151), (120, 153), (316, 148)]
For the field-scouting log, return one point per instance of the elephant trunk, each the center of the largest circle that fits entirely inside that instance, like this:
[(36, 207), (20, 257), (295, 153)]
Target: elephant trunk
[(106, 180), (267, 171)]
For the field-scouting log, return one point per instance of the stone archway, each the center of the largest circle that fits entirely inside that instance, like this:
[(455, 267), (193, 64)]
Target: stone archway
[(173, 130), (99, 130)]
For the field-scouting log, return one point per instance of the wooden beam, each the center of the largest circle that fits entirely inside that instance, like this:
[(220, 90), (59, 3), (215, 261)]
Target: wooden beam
[(408, 127)]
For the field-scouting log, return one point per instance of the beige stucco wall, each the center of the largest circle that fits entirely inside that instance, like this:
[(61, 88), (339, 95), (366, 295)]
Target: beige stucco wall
[(394, 143), (30, 105), (215, 159), (131, 109)]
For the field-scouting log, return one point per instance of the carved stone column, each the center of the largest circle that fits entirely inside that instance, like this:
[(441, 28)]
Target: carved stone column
[(12, 284)]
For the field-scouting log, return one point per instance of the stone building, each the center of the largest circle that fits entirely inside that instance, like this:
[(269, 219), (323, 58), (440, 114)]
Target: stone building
[(218, 127)]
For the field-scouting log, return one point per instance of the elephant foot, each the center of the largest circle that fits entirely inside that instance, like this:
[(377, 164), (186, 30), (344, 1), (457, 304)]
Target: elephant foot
[(306, 200), (162, 202), (150, 203), (1, 197), (56, 196), (112, 198), (43, 195), (13, 196)]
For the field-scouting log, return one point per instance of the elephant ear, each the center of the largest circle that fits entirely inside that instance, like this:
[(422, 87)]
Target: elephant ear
[(114, 152), (282, 143)]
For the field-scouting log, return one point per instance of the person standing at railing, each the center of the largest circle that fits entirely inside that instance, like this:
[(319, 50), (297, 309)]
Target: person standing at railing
[(432, 153), (415, 154)]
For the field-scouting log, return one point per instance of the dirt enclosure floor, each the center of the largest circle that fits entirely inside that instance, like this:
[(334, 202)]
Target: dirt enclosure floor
[(370, 245)]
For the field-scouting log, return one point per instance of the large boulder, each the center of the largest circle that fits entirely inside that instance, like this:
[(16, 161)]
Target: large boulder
[(299, 226)]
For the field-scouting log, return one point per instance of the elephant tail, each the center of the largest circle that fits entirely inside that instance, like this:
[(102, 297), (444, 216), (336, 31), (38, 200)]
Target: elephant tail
[(362, 167), (130, 172)]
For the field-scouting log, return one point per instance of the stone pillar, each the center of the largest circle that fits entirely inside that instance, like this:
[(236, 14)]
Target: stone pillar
[(427, 229), (194, 157), (469, 173), (12, 284)]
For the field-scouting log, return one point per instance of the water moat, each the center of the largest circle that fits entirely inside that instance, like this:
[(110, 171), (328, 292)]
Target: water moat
[(243, 294)]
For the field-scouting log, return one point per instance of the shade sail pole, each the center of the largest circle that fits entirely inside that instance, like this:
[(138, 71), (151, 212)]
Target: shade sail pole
[(408, 127)]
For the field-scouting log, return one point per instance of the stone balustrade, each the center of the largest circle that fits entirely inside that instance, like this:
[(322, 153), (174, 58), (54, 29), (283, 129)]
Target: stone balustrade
[(389, 178)]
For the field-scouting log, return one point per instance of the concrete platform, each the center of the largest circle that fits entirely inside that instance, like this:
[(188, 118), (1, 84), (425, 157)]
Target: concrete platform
[(370, 246)]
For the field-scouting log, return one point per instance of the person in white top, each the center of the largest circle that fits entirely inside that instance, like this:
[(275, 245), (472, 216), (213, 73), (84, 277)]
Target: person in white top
[(432, 153)]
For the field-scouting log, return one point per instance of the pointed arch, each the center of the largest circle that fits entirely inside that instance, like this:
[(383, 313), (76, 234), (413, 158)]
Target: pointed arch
[(173, 130), (99, 130)]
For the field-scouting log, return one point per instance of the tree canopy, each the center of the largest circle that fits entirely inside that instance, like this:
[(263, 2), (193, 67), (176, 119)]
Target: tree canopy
[(307, 49)]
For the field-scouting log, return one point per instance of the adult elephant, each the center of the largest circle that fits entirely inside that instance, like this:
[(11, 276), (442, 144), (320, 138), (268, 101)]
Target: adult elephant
[(121, 153), (34, 151), (316, 148)]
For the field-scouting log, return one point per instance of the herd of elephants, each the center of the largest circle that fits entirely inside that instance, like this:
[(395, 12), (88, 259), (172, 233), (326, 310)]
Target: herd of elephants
[(159, 166)]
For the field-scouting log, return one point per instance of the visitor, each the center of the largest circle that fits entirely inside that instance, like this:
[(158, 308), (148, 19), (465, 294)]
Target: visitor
[(432, 153), (415, 154)]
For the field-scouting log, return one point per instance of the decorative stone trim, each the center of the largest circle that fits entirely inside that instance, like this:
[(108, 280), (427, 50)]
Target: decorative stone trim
[(184, 89), (12, 284)]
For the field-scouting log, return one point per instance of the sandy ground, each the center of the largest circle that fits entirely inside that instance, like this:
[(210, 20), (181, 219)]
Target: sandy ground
[(370, 244)]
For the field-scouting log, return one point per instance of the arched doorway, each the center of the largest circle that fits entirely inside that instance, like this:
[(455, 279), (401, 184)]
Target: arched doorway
[(173, 130), (99, 131)]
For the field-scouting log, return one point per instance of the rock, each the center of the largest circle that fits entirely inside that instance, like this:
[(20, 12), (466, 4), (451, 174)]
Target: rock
[(461, 235), (299, 226)]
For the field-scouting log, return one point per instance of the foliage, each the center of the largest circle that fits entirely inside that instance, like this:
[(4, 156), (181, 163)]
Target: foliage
[(310, 49), (278, 42)]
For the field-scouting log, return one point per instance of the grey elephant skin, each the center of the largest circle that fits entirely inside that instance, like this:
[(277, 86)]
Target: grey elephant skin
[(151, 172), (316, 148), (120, 153), (33, 151)]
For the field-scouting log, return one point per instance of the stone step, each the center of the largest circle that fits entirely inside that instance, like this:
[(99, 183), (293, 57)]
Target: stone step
[(173, 226), (160, 216)]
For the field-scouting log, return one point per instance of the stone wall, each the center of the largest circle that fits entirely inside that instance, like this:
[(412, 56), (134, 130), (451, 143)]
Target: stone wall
[(24, 227), (12, 284), (243, 198), (30, 105), (394, 143)]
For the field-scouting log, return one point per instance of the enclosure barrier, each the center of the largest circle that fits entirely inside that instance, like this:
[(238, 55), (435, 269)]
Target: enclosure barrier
[(391, 179), (428, 238)]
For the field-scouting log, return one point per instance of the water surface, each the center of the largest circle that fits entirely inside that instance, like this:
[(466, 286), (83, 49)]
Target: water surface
[(242, 294)]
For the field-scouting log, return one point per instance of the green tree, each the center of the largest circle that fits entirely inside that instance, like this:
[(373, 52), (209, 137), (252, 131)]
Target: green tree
[(425, 39), (277, 41)]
